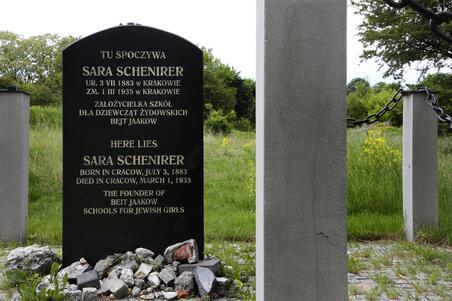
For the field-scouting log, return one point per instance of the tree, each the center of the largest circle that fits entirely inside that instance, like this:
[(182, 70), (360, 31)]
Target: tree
[(380, 86), (34, 64), (357, 83), (441, 83), (358, 94), (402, 37), (218, 78), (245, 106), (364, 100), (226, 91)]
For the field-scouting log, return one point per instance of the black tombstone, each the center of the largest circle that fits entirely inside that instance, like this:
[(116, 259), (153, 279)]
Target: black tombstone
[(132, 143)]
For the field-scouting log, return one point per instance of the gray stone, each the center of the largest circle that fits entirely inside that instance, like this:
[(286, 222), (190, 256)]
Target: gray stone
[(89, 294), (33, 258), (127, 277), (44, 284), (102, 266), (212, 264), (150, 296), (140, 283), (185, 281), (88, 279), (144, 253), (15, 297), (222, 285), (205, 280), (128, 263), (74, 270), (167, 275), (169, 295), (160, 260), (171, 267), (154, 280), (158, 295), (135, 291), (14, 150), (186, 250), (143, 271), (112, 284), (301, 176), (69, 295), (119, 288), (175, 265), (72, 287)]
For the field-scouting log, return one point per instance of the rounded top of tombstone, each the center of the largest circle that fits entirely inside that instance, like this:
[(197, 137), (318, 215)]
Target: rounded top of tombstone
[(131, 29)]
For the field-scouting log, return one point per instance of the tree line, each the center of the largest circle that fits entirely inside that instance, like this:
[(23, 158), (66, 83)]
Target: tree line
[(34, 64), (364, 99)]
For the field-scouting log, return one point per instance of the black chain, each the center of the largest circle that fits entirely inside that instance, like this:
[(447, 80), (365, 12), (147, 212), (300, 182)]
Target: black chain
[(436, 19), (431, 100), (351, 123)]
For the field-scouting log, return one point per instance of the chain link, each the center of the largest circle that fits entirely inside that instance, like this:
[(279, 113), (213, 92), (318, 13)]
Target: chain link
[(351, 123), (435, 19), (431, 100)]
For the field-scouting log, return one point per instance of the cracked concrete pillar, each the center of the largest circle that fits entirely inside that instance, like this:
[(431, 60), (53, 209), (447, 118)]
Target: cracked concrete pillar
[(301, 150), (14, 112)]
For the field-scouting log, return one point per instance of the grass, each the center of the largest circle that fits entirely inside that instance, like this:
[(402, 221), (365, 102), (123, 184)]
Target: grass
[(229, 187), (374, 184), (374, 226), (47, 117), (374, 160), (355, 265), (239, 264), (45, 194)]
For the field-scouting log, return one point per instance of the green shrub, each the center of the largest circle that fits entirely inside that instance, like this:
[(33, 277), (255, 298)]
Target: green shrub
[(244, 125), (364, 100), (41, 94), (44, 116), (26, 283), (219, 123)]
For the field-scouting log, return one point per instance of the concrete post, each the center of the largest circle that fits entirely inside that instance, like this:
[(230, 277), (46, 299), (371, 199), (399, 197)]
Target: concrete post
[(301, 150), (14, 115), (420, 184)]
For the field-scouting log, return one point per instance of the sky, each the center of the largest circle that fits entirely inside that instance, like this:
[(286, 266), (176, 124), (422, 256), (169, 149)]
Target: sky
[(226, 26)]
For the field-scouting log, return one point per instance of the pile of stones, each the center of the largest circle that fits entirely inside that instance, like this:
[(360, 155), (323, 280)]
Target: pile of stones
[(138, 275)]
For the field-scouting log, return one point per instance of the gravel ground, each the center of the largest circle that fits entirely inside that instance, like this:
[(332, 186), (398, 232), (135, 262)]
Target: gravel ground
[(386, 271), (399, 271)]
